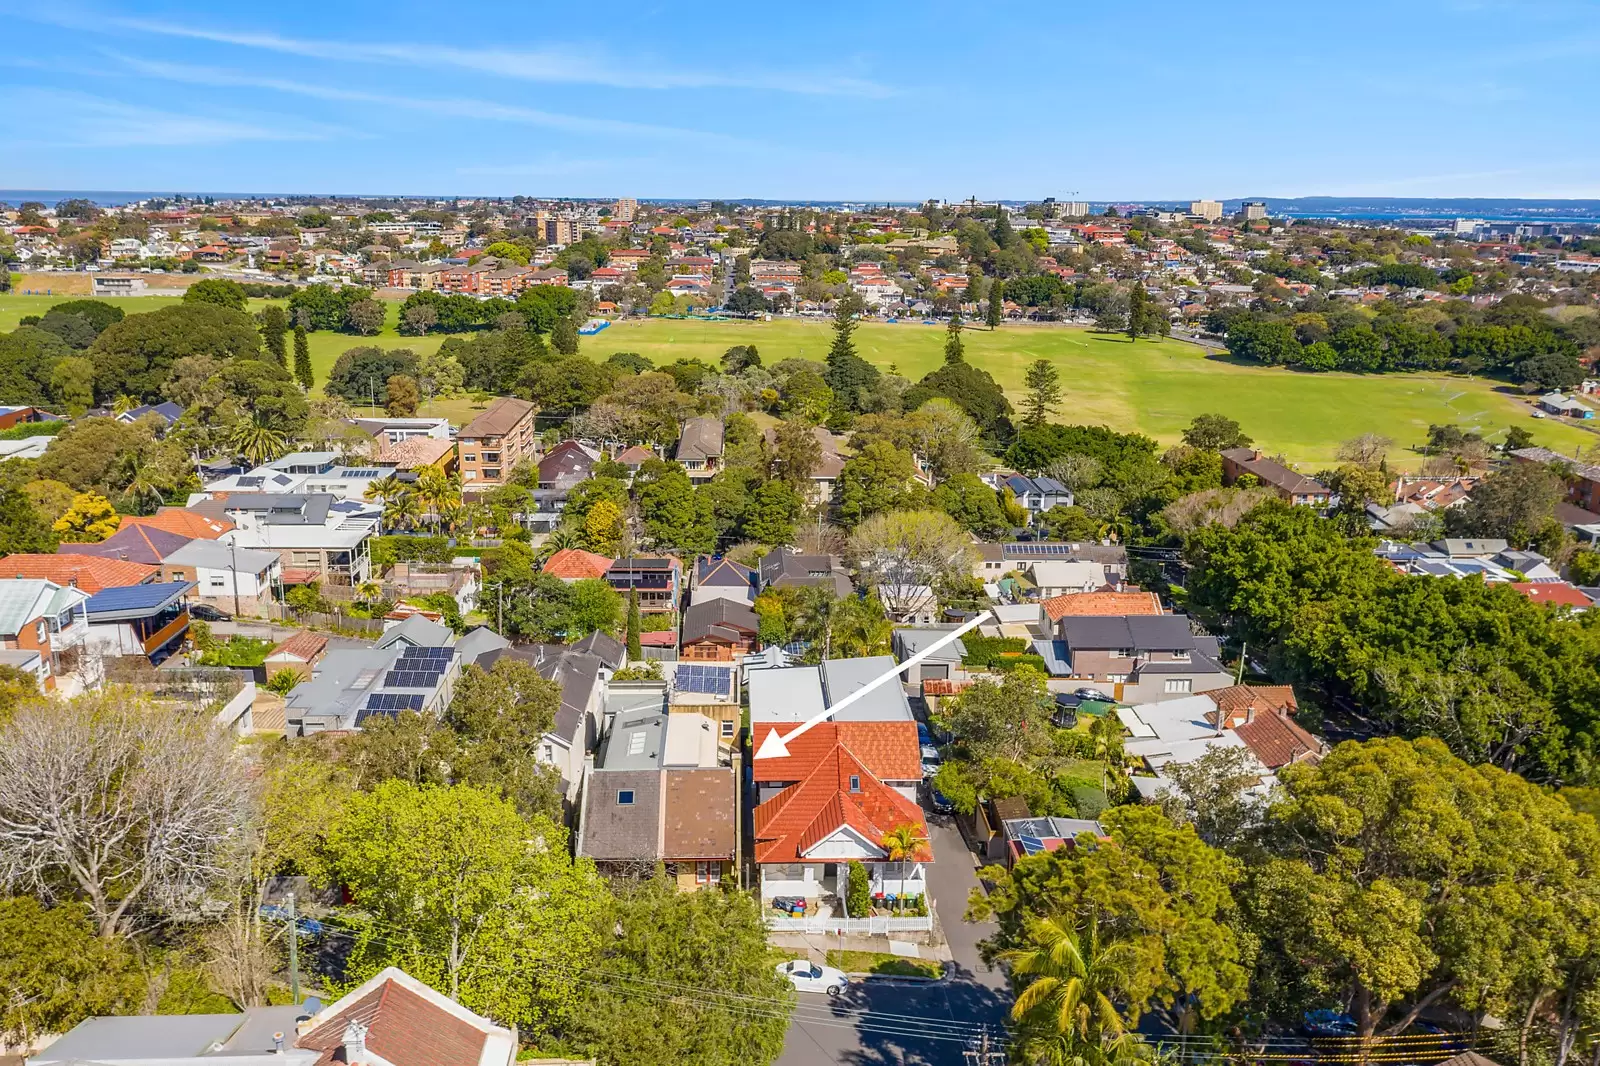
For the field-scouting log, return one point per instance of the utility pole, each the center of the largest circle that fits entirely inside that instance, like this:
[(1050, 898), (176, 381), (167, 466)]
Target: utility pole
[(294, 953), (233, 552), (1244, 649), (983, 1053)]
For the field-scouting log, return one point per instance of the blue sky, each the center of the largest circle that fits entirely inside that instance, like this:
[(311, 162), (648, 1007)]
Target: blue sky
[(1069, 98)]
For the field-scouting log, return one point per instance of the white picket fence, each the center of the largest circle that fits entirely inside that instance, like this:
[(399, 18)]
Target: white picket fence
[(850, 926)]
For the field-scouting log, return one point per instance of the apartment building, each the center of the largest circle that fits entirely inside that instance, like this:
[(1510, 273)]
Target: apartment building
[(492, 444)]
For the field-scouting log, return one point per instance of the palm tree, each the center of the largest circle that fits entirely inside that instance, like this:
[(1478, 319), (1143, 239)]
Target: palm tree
[(385, 488), (257, 441), (560, 539), (369, 591), (906, 843), (145, 486), (1066, 1009), (403, 511), (437, 491), (123, 404)]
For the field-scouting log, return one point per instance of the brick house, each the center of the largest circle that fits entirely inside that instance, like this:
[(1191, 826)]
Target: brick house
[(491, 445), (1294, 487)]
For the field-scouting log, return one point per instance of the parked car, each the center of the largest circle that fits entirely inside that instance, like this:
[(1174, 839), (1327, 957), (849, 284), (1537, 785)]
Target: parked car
[(940, 802), (207, 613), (1328, 1023), (1090, 694), (807, 976), (924, 738)]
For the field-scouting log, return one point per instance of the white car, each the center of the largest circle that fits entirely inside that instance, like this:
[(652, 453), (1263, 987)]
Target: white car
[(809, 977)]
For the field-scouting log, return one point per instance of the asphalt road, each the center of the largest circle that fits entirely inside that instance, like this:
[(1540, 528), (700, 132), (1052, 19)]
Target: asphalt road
[(879, 1023)]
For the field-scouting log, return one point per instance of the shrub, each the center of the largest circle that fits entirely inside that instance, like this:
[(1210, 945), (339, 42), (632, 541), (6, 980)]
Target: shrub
[(1006, 663), (983, 651), (858, 896), (283, 680)]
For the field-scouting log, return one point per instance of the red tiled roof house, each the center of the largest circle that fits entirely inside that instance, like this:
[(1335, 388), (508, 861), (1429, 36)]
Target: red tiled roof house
[(830, 801)]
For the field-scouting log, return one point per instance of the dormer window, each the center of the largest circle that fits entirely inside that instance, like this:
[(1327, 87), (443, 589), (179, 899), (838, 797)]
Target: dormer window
[(855, 783)]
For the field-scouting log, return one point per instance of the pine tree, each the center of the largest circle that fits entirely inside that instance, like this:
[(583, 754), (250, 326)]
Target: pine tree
[(953, 352), (1044, 391), (302, 357), (997, 296), (1138, 311), (274, 331), (635, 647)]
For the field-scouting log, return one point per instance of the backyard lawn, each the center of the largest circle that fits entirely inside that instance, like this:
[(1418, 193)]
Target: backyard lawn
[(1154, 386)]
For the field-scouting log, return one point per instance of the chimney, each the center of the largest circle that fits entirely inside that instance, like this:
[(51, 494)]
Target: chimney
[(1249, 712), (355, 1043)]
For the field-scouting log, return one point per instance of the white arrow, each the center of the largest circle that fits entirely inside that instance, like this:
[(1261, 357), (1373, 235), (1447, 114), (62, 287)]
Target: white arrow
[(776, 747)]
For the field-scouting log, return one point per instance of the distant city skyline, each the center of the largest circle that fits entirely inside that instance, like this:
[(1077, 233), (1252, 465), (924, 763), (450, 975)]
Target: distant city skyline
[(825, 102)]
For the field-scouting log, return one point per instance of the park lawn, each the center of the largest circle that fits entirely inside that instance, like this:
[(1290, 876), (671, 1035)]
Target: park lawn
[(883, 963), (1152, 386)]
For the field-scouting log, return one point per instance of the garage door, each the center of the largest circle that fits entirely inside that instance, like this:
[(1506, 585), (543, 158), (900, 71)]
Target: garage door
[(935, 671)]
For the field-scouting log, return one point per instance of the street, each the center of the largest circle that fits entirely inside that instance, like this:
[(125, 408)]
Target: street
[(880, 1023)]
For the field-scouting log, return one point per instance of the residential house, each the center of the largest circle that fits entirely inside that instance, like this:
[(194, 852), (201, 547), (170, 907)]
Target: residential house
[(241, 580), (1294, 487), (492, 444), (417, 453), (787, 568), (719, 630), (394, 430), (657, 579), (576, 564), (392, 1019), (151, 620), (662, 789), (300, 652), (1023, 837), (301, 473), (347, 686), (565, 466), (91, 573), (633, 457), (989, 563), (167, 412), (46, 619), (1583, 479), (582, 676), (179, 520), (1263, 716), (12, 416), (720, 578), (831, 800), (1103, 604), (1038, 494), (135, 543), (316, 537), (1568, 406), (699, 449), (1057, 577), (1134, 658), (794, 694), (1554, 594), (942, 665)]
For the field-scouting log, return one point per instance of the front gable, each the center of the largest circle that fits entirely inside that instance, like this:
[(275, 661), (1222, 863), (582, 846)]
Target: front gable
[(844, 843)]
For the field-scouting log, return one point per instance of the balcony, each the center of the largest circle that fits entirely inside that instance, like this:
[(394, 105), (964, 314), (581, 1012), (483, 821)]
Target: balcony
[(166, 634)]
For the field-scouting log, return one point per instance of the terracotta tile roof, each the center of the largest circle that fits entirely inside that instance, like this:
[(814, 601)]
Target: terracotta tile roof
[(185, 523), (889, 750), (1101, 604), (1551, 594), (814, 808), (403, 1029), (1278, 740), (636, 455), (88, 572), (1235, 702), (304, 645), (413, 452), (575, 564)]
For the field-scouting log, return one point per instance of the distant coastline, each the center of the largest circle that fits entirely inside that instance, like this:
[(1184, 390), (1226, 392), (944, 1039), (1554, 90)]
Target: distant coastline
[(1350, 208)]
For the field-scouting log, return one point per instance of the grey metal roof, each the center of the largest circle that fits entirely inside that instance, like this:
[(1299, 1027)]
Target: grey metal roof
[(163, 1036), (1132, 632), (216, 555), (478, 642), (608, 649), (418, 632), (886, 703), (910, 641), (634, 741)]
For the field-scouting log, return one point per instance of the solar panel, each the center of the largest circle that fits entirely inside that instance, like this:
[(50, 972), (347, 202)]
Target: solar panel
[(708, 679), (427, 654), (394, 701), (409, 679)]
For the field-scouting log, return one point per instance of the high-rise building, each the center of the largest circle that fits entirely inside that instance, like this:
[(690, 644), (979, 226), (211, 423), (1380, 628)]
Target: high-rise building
[(1210, 210), (1254, 210), (626, 210), (1074, 209), (561, 231)]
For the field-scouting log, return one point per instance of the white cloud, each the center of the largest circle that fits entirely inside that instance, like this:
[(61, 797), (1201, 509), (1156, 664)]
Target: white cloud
[(80, 120), (566, 63), (453, 108)]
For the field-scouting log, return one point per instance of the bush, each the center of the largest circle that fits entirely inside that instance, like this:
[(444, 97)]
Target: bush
[(24, 430), (1006, 663), (386, 551), (858, 897), (1585, 568), (282, 681), (237, 651), (984, 651)]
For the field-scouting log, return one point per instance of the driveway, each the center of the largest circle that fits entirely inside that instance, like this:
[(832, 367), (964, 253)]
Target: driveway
[(878, 1023)]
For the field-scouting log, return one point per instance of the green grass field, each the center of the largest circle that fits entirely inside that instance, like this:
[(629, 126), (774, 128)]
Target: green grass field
[(1154, 387)]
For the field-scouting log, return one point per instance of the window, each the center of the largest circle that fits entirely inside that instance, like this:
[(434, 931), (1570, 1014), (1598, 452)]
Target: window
[(727, 727), (1116, 679), (625, 797), (1180, 656), (42, 631), (215, 581), (855, 783), (708, 873), (1179, 684), (470, 457), (549, 753), (1121, 653), (491, 473)]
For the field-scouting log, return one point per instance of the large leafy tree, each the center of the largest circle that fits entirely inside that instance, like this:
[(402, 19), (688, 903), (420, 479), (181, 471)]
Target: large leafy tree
[(1398, 875), (56, 972), (28, 357), (689, 979), (1155, 887), (459, 890), (877, 478), (133, 357)]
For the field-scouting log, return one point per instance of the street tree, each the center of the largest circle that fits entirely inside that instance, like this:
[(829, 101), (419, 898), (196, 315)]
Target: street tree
[(1043, 381), (130, 809)]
